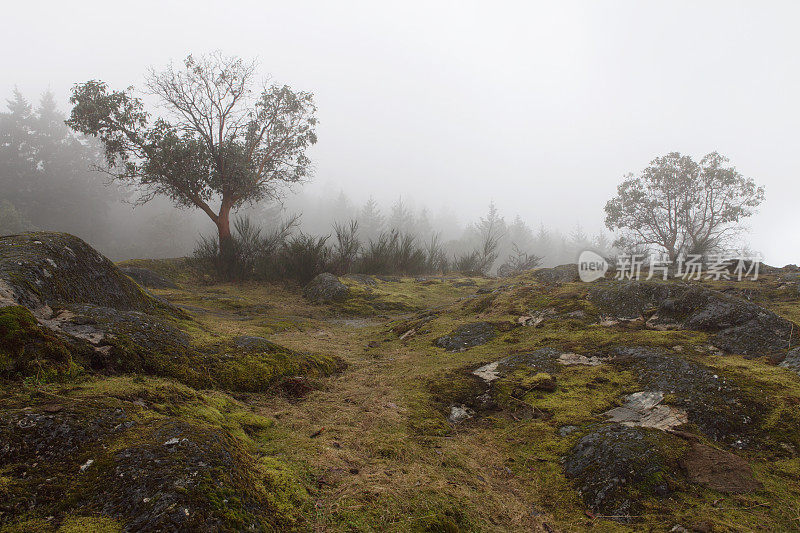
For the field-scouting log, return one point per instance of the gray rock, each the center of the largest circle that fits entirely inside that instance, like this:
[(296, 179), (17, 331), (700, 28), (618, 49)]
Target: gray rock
[(614, 466), (467, 336), (46, 270), (740, 326), (792, 360), (326, 288), (459, 413), (557, 275), (644, 409)]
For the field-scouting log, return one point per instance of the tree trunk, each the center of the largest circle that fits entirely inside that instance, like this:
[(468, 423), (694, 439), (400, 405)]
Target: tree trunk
[(227, 252)]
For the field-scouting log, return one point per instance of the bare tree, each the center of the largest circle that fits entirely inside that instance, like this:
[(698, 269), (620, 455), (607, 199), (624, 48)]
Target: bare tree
[(217, 141)]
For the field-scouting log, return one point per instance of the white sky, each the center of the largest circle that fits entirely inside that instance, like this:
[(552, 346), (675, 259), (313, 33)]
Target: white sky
[(542, 107)]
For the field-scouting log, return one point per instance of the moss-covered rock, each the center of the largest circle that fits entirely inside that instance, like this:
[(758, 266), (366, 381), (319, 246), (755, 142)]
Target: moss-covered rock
[(58, 269), (112, 458), (467, 336), (29, 350), (740, 326), (616, 467)]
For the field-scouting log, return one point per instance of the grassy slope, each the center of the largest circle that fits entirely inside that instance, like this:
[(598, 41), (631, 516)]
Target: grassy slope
[(371, 450)]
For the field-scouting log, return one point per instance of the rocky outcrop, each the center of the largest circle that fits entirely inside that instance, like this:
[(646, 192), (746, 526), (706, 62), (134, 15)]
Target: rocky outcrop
[(114, 458), (466, 336), (739, 326), (147, 278), (326, 288), (615, 466), (557, 275), (44, 271)]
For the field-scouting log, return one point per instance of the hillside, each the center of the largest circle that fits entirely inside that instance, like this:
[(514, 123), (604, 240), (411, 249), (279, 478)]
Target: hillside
[(438, 403)]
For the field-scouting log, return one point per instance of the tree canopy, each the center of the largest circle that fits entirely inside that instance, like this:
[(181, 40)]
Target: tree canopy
[(217, 141), (679, 206)]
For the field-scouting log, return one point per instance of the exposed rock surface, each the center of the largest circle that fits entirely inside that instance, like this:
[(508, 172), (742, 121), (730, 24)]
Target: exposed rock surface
[(792, 360), (467, 336), (644, 409), (740, 326), (718, 469), (42, 271), (719, 408), (147, 278), (153, 476), (615, 465), (326, 288), (556, 275)]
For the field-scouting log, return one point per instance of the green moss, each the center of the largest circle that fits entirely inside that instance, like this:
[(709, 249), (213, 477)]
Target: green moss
[(31, 352), (89, 524)]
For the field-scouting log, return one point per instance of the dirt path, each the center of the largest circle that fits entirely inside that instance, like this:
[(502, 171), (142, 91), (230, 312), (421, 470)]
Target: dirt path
[(354, 432)]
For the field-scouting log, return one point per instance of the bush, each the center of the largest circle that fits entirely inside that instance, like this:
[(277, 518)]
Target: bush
[(345, 251), (393, 253), (303, 257), (518, 262)]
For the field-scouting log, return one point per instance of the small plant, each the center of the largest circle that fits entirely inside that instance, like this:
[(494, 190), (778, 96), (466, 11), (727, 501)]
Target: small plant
[(518, 262), (345, 251)]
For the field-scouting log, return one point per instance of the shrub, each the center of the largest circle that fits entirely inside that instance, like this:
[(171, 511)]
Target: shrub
[(303, 257), (518, 262), (393, 253)]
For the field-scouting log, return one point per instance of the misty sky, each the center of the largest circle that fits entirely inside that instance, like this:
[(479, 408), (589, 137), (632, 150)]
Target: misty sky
[(542, 107)]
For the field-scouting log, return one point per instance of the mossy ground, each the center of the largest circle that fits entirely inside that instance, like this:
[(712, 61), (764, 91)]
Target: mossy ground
[(370, 448)]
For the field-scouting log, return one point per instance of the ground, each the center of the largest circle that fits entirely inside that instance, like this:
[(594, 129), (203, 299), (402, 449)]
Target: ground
[(390, 429)]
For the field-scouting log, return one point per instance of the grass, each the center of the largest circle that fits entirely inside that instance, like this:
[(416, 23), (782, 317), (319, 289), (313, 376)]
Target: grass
[(370, 448)]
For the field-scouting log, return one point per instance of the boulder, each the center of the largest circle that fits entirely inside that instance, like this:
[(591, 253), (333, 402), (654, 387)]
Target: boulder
[(43, 270), (326, 288), (147, 278)]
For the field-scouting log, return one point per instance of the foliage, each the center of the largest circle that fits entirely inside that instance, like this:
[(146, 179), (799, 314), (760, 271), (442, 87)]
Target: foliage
[(518, 262), (45, 181), (216, 143), (682, 207)]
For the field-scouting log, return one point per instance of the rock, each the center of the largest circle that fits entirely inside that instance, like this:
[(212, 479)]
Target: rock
[(153, 474), (326, 288), (459, 413), (147, 278), (488, 373), (569, 359), (61, 270), (467, 336), (718, 470), (717, 406), (557, 275), (740, 326), (644, 409), (792, 360), (616, 465), (567, 430), (541, 360)]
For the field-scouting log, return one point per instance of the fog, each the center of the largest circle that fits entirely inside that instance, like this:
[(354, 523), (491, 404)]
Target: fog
[(541, 108)]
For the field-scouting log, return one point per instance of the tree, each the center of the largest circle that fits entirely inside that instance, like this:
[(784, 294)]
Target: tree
[(678, 206), (370, 219), (44, 170), (218, 142)]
